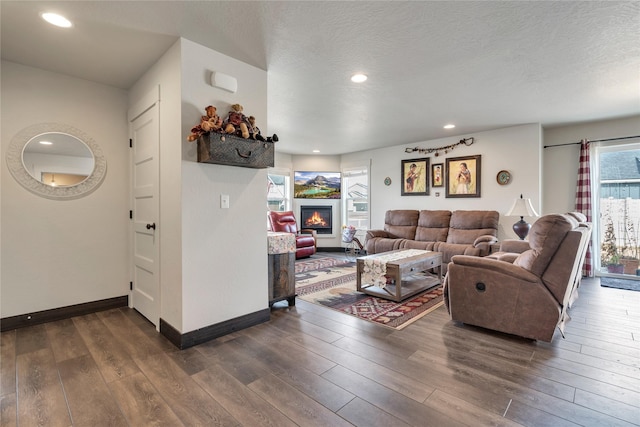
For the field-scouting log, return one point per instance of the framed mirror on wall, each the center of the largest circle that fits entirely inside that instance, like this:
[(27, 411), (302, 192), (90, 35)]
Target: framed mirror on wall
[(56, 161)]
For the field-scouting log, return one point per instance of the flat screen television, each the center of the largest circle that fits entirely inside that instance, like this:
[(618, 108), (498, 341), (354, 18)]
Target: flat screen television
[(316, 185)]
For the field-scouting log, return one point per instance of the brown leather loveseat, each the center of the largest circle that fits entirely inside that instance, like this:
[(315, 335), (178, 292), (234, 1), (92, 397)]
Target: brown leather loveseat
[(452, 233)]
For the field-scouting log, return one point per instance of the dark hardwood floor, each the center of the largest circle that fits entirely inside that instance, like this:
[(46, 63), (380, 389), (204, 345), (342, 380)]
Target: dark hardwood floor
[(311, 366)]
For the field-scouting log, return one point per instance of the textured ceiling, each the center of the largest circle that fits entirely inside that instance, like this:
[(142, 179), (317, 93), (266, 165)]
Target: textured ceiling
[(481, 65)]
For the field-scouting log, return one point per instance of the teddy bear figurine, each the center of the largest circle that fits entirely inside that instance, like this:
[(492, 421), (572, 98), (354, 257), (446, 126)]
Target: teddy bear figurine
[(211, 122), (236, 122), (257, 135), (208, 123), (255, 130)]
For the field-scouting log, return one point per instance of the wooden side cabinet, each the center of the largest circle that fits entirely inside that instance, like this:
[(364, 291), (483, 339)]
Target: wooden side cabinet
[(282, 282)]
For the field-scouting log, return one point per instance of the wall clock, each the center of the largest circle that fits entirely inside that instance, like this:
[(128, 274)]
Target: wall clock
[(503, 177), (387, 181)]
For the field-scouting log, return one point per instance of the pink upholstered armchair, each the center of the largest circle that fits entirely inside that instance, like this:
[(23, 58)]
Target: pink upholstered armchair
[(286, 222)]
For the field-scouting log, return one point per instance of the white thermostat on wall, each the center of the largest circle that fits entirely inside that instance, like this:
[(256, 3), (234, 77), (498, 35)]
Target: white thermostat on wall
[(224, 81)]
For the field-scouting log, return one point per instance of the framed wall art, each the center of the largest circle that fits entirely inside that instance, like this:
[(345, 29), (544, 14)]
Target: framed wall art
[(415, 177), (316, 185), (437, 175), (463, 176)]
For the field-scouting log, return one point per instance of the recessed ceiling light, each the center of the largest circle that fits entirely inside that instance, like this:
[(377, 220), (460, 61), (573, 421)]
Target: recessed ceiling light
[(57, 20), (46, 142), (358, 78), (316, 151), (449, 126)]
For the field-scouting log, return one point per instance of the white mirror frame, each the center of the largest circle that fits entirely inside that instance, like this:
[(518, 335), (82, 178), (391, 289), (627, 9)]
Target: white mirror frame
[(16, 167)]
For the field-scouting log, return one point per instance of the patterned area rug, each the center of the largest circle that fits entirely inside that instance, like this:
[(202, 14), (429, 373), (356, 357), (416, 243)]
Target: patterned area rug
[(335, 288), (317, 263), (612, 282), (308, 282)]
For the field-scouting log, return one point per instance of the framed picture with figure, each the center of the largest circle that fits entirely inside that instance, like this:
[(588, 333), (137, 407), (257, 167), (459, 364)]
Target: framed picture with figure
[(437, 175), (463, 176), (415, 177)]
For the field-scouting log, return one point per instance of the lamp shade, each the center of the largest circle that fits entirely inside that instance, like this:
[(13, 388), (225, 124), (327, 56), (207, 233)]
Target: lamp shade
[(522, 207)]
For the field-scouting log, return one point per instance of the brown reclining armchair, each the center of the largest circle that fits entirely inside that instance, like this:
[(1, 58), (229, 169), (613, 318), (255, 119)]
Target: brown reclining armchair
[(525, 294), (286, 222)]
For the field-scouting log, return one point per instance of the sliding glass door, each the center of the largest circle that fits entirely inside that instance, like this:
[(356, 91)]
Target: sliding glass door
[(618, 210)]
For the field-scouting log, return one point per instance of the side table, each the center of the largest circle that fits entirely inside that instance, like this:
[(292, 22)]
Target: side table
[(281, 267)]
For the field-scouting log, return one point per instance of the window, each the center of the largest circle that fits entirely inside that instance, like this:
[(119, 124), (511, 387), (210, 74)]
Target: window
[(278, 191), (355, 200)]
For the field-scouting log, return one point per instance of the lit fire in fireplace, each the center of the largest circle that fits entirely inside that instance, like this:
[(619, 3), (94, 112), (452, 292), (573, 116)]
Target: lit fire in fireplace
[(316, 220)]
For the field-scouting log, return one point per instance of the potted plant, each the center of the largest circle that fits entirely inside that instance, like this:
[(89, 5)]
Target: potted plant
[(629, 261), (609, 256), (614, 265), (630, 256)]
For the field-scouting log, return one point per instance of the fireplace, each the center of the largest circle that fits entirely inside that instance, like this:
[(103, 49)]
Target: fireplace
[(316, 218)]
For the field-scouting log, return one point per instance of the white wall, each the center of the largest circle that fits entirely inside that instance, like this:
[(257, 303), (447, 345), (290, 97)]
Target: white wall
[(213, 260), (283, 160), (60, 253), (166, 74), (517, 149), (224, 259), (561, 163)]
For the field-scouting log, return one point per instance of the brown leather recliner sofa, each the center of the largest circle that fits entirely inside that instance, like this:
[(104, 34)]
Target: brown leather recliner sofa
[(526, 294), (452, 233)]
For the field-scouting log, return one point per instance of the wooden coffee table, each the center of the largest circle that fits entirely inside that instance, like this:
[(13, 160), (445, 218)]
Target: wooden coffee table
[(408, 272)]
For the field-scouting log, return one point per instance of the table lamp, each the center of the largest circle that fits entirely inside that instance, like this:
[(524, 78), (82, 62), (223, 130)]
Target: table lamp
[(522, 207)]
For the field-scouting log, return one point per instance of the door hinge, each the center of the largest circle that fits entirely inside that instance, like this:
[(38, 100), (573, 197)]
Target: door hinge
[(130, 286), (130, 143), (130, 214)]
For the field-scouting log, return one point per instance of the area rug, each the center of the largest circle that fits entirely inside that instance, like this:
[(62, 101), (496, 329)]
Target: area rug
[(612, 282), (335, 288), (318, 262), (308, 282)]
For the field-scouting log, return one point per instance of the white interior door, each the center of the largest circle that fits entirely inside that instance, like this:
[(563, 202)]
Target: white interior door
[(145, 134)]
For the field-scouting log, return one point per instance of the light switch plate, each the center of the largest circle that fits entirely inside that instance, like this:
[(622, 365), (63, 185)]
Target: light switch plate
[(224, 201)]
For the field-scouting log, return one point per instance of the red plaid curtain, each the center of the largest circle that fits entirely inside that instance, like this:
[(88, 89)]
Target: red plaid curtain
[(583, 198)]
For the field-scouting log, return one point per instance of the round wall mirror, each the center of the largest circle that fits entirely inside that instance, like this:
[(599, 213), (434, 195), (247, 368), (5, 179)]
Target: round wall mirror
[(56, 161)]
